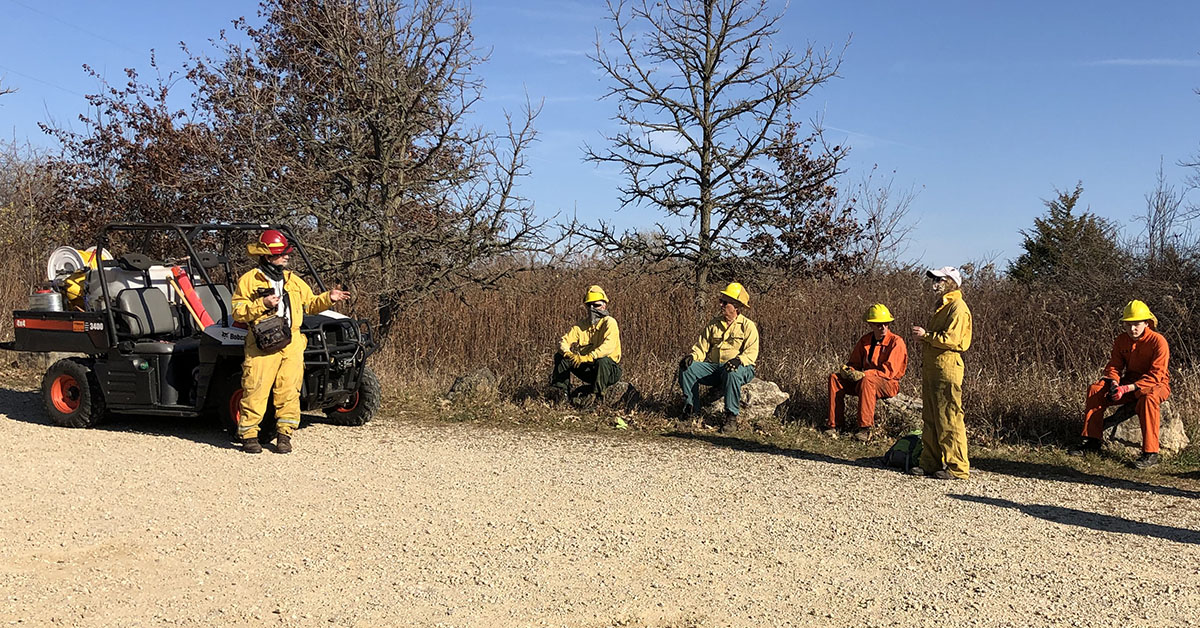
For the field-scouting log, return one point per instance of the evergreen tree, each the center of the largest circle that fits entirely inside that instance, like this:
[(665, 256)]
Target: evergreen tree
[(1072, 249)]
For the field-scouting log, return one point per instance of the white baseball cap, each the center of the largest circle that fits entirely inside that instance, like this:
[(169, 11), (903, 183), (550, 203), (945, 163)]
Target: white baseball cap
[(946, 271)]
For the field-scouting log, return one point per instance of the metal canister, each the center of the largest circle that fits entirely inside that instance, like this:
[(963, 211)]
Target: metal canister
[(46, 301)]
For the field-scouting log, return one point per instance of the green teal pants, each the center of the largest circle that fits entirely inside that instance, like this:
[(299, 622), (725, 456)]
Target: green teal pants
[(711, 374)]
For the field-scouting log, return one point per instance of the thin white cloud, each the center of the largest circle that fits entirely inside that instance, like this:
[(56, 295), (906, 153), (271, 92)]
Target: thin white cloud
[(1149, 63), (560, 52), (858, 139)]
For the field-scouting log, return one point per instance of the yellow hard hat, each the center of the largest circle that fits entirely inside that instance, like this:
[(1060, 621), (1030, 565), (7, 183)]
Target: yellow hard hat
[(595, 293), (738, 293), (1138, 311), (878, 313)]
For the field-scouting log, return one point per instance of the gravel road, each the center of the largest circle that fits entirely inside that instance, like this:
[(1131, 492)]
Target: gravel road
[(154, 523)]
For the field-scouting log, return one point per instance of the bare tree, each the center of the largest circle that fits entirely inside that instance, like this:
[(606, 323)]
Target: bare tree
[(1166, 221), (350, 118), (704, 92), (884, 212)]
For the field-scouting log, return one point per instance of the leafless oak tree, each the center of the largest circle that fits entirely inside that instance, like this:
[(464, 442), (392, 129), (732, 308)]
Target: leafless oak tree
[(350, 119), (703, 92)]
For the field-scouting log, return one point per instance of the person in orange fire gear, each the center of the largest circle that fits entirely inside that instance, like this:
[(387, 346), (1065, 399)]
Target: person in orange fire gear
[(877, 362), (1136, 373)]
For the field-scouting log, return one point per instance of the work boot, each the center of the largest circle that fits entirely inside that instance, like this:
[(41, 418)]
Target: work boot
[(730, 423), (283, 444), (1145, 461), (830, 432), (251, 445), (863, 435), (556, 395), (942, 474), (917, 471), (685, 415), (1089, 445)]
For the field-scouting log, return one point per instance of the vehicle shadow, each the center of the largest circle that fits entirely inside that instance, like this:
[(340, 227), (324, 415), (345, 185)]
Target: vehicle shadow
[(1062, 473), (26, 406), (1092, 520), (740, 444)]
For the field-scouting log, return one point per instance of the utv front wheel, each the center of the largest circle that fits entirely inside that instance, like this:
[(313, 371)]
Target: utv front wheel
[(362, 404), (71, 394)]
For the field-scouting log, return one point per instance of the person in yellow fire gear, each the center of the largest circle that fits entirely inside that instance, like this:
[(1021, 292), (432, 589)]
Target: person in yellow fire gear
[(725, 355), (260, 294), (944, 436), (591, 351)]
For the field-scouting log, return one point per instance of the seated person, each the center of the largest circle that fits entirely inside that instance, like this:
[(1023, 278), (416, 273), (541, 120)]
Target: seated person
[(1136, 373), (724, 356), (873, 372), (591, 351)]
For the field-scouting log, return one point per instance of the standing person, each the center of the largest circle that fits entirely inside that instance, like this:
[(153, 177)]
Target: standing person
[(1136, 373), (591, 350), (724, 356), (265, 291), (944, 436), (877, 362)]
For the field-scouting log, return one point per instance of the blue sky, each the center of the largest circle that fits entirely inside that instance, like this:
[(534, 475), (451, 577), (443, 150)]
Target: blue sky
[(986, 107)]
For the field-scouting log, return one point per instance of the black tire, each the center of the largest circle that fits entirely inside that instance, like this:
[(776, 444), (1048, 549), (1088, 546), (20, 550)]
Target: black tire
[(71, 393), (363, 404), (224, 399)]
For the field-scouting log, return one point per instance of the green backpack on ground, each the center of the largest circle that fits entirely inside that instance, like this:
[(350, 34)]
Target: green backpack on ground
[(905, 453)]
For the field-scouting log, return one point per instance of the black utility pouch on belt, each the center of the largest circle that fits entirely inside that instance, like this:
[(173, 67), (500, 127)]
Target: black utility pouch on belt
[(272, 334)]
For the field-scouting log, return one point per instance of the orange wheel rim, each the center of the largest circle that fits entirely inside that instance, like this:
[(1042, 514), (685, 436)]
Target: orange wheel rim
[(65, 394), (350, 404), (235, 406)]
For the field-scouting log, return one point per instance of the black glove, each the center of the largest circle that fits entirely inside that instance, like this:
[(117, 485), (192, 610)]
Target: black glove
[(733, 364), (685, 362), (1110, 386)]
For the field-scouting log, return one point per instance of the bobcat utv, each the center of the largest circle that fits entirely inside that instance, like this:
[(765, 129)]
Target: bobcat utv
[(144, 327)]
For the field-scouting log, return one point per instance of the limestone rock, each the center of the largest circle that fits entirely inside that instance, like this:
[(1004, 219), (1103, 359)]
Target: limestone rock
[(622, 396), (760, 398), (901, 412), (474, 383), (1123, 431)]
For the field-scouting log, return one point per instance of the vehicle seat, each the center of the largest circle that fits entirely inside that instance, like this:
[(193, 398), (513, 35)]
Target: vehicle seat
[(217, 301), (145, 312)]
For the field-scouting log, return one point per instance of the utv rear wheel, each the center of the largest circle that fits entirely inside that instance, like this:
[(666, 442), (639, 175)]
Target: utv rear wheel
[(225, 403), (362, 404), (71, 394)]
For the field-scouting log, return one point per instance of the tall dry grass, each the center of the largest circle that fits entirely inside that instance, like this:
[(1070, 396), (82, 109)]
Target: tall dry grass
[(1032, 357), (1033, 354)]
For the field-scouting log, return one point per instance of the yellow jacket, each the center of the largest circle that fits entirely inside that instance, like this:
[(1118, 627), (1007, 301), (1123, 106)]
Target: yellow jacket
[(249, 308), (950, 328), (602, 340), (720, 343)]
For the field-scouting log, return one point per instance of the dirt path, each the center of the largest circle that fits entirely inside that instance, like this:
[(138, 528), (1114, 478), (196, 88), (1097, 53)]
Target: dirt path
[(146, 523)]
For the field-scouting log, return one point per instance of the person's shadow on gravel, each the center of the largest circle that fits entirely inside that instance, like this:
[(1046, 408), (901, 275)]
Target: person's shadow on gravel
[(1062, 473), (740, 444), (1093, 520)]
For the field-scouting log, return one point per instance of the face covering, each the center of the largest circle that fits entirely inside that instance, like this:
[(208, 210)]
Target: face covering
[(596, 311), (273, 272)]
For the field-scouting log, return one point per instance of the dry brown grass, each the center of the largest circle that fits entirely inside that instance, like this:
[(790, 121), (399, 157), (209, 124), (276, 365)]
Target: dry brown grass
[(1032, 358), (1026, 371)]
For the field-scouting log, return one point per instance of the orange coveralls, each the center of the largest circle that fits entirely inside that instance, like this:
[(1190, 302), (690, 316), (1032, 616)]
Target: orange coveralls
[(1143, 363), (882, 364)]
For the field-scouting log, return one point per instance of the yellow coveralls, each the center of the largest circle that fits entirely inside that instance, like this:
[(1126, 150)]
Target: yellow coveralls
[(944, 436), (283, 370)]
